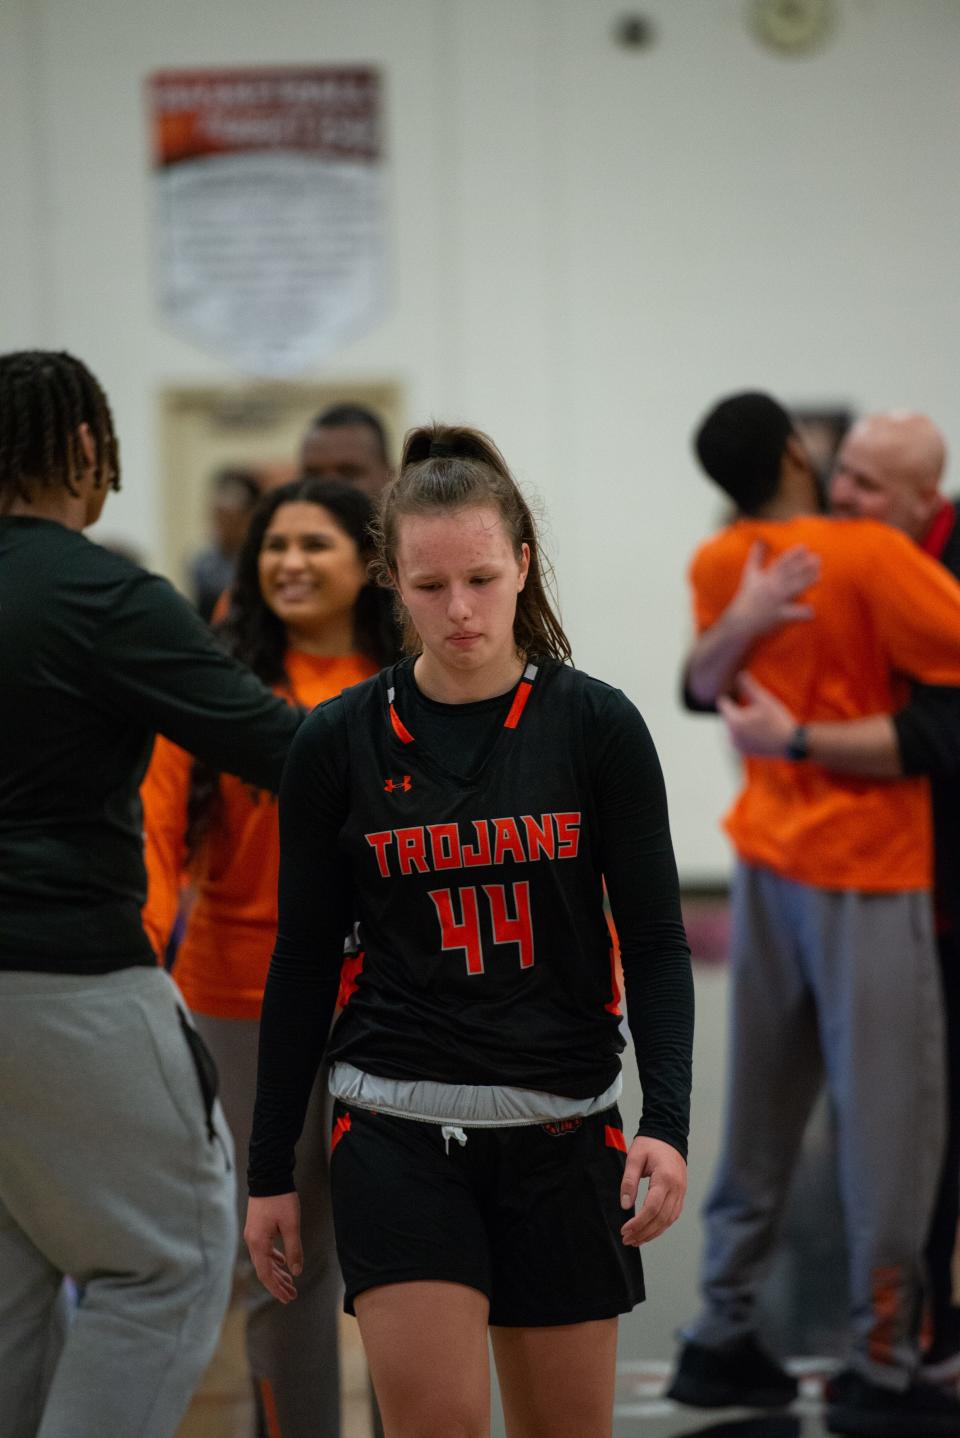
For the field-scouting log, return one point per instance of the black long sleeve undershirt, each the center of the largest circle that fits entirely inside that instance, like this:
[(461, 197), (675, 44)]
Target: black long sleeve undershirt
[(316, 910)]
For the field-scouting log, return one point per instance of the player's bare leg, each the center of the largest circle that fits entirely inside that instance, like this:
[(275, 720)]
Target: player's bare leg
[(426, 1344), (557, 1382)]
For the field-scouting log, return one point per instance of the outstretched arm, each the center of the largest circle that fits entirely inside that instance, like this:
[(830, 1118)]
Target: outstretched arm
[(156, 659)]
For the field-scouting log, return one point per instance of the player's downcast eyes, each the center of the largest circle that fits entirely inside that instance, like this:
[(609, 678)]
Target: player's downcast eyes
[(430, 585)]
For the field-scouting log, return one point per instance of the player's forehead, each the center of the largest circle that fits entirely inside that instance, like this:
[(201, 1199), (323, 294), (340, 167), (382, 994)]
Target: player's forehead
[(452, 539), (298, 517)]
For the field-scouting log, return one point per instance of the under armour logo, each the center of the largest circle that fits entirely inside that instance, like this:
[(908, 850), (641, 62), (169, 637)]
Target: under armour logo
[(406, 784)]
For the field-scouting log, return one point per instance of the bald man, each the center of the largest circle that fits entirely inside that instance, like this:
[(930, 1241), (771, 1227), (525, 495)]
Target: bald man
[(890, 468)]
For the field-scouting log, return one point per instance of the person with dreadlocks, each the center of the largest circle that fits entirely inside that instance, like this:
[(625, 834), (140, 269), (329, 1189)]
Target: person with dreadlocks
[(307, 619), (464, 808), (115, 1160)]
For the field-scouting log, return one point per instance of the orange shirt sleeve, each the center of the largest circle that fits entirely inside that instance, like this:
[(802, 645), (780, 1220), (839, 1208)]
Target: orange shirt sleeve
[(163, 794), (714, 575), (221, 609), (915, 605)]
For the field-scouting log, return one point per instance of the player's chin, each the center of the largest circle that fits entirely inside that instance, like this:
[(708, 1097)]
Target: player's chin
[(466, 656)]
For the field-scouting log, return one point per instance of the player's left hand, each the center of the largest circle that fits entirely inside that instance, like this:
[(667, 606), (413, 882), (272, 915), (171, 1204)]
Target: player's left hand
[(664, 1166), (759, 724)]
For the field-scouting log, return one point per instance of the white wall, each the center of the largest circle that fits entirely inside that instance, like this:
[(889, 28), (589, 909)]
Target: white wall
[(590, 244)]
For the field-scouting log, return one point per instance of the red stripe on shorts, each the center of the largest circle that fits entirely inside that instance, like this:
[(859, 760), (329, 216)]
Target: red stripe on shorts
[(614, 1138), (341, 1127)]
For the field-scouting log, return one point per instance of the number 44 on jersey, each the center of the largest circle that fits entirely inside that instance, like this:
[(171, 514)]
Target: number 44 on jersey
[(461, 931)]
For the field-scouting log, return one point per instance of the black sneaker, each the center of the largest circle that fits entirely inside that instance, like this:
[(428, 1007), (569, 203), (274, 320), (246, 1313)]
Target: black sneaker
[(740, 1375), (861, 1409), (941, 1362)]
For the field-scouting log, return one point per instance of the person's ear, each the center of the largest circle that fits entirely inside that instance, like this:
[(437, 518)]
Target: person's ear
[(925, 505), (524, 565), (88, 447), (797, 450)]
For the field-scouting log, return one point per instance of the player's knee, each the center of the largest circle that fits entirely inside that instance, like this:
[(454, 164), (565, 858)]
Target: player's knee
[(446, 1418), (448, 1427)]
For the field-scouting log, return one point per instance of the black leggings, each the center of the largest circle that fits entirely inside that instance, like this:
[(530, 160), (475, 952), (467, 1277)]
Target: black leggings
[(943, 1228)]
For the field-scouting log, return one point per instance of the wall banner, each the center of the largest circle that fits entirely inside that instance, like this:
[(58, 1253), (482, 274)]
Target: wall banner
[(270, 205)]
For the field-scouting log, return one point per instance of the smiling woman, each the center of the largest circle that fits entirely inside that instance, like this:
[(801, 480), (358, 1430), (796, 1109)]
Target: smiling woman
[(460, 813), (311, 571)]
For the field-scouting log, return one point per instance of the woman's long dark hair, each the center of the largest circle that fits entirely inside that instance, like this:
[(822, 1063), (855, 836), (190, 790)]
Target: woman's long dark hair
[(254, 634)]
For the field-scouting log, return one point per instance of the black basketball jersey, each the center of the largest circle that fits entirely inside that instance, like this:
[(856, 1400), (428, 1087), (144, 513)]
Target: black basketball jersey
[(486, 953)]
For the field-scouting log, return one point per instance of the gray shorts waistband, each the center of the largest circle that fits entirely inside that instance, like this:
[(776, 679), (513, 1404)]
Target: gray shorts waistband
[(464, 1105)]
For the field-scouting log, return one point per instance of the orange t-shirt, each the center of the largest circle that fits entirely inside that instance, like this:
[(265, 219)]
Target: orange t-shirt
[(884, 613), (222, 962)]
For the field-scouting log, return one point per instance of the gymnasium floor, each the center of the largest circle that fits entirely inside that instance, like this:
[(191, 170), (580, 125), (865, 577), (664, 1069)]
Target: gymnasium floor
[(785, 1426), (221, 1409)]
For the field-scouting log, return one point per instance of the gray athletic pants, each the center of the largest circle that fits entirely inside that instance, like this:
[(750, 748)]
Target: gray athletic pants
[(844, 986), (112, 1170), (292, 1348)]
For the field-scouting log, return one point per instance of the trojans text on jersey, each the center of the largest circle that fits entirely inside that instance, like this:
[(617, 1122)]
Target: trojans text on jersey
[(433, 848)]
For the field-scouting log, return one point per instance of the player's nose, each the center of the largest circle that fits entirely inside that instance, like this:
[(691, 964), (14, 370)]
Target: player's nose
[(459, 605)]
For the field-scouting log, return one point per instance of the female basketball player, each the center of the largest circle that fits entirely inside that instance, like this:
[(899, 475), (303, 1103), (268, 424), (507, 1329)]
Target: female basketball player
[(464, 808)]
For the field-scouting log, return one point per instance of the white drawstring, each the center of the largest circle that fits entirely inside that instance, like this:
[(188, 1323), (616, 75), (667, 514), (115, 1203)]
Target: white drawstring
[(450, 1131)]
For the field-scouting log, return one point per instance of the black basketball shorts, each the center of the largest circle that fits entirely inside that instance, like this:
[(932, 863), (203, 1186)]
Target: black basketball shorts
[(530, 1216)]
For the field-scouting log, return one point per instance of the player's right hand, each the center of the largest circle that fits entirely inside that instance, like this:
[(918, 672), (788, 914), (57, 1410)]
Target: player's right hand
[(272, 1235)]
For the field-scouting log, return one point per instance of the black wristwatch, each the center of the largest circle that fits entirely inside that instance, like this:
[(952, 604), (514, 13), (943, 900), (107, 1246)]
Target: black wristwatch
[(799, 746)]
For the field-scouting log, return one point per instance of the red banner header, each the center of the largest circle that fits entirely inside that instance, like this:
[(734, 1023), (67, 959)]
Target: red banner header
[(329, 112)]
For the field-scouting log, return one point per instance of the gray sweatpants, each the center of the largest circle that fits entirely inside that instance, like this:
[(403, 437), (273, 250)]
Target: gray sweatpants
[(844, 986), (292, 1348), (110, 1171)]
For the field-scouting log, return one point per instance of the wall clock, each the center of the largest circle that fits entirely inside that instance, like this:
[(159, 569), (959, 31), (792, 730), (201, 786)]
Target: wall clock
[(792, 26)]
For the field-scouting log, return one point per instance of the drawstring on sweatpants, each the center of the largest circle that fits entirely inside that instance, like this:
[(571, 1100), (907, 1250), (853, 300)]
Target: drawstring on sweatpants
[(450, 1131)]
